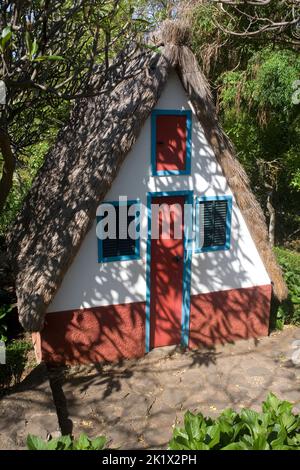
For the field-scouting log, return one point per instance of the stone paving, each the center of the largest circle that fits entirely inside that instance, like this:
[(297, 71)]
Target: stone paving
[(28, 409), (136, 403)]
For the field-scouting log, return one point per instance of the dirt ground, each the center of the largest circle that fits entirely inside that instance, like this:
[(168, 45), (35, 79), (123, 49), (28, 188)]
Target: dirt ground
[(27, 409), (135, 403)]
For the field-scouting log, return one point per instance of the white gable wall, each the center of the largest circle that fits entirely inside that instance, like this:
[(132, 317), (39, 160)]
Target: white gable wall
[(89, 283)]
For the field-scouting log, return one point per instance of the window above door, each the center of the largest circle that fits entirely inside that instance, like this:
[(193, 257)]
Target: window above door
[(171, 142), (213, 223)]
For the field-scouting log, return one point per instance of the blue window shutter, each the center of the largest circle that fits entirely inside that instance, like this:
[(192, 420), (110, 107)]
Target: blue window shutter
[(121, 249), (220, 216), (208, 223), (214, 223)]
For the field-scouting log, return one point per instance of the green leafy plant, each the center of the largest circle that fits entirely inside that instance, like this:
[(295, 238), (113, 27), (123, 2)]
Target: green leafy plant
[(16, 357), (66, 443), (289, 311), (275, 428), (5, 37)]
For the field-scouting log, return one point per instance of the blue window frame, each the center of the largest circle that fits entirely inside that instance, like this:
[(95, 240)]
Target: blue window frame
[(121, 249), (171, 112), (213, 223)]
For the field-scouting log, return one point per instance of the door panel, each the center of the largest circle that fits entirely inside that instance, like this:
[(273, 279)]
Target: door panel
[(171, 138), (166, 275)]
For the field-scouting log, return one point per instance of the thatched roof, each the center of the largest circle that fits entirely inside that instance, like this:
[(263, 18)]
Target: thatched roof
[(86, 158)]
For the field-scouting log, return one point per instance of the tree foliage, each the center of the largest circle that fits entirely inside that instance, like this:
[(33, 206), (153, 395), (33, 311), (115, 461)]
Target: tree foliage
[(248, 49), (255, 79), (48, 52)]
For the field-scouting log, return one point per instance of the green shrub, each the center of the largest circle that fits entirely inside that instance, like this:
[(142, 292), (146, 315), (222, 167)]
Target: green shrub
[(16, 357), (289, 310), (275, 428), (4, 310), (66, 443)]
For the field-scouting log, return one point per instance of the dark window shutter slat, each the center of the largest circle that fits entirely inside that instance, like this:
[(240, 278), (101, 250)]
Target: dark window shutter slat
[(213, 231), (114, 248), (208, 223), (220, 214)]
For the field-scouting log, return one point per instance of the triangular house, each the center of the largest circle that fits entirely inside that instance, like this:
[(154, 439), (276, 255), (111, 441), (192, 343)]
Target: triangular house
[(150, 135)]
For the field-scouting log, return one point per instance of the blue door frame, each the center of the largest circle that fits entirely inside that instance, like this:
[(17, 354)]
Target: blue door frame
[(186, 289)]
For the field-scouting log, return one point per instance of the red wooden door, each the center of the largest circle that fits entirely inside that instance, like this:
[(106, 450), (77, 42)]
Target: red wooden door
[(171, 138), (166, 277)]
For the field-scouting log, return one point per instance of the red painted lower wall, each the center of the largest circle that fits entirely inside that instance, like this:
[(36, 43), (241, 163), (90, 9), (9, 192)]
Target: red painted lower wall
[(94, 335), (118, 331), (230, 315)]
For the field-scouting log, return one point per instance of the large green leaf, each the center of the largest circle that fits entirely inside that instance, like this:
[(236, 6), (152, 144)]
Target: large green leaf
[(98, 443), (53, 444), (295, 440), (249, 416), (214, 435), (195, 425), (34, 48), (271, 403), (65, 443), (289, 421), (35, 443), (260, 442), (28, 42), (281, 438), (236, 446), (82, 443), (42, 58), (180, 443), (200, 446), (226, 426), (281, 447), (6, 35)]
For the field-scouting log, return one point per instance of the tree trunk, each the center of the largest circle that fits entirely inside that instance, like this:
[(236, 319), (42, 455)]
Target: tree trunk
[(8, 169), (272, 221)]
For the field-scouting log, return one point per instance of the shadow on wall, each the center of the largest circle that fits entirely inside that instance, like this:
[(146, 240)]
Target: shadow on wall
[(109, 333), (94, 335), (228, 316), (117, 332)]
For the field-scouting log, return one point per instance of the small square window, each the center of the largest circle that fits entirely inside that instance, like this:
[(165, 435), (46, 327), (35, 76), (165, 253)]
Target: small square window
[(213, 223), (120, 242), (171, 136)]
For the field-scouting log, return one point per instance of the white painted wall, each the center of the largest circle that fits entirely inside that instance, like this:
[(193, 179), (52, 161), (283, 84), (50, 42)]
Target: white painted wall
[(88, 283)]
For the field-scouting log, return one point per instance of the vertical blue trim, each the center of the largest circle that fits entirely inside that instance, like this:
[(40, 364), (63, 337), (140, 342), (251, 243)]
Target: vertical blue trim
[(148, 276), (188, 158), (187, 272), (186, 285), (189, 143), (199, 249), (137, 255), (154, 114)]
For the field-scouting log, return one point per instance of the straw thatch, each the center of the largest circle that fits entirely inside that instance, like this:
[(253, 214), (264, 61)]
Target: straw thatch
[(85, 160)]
